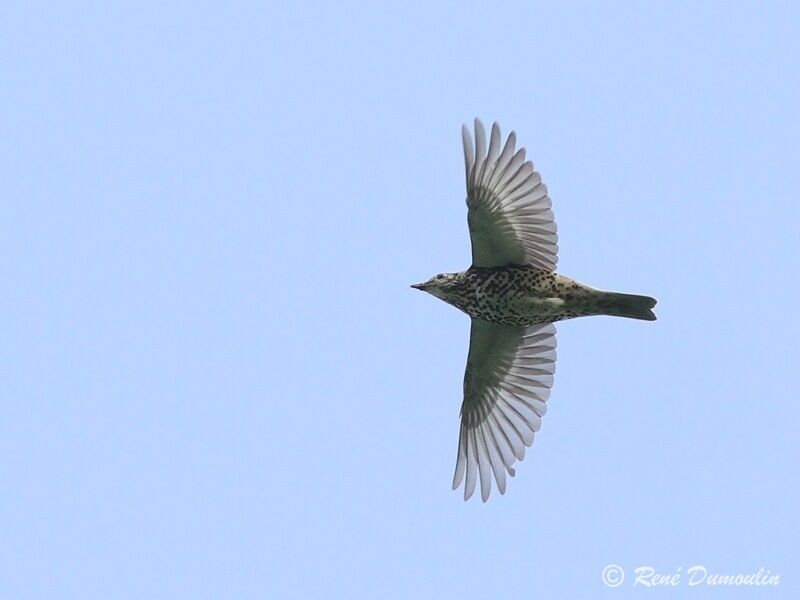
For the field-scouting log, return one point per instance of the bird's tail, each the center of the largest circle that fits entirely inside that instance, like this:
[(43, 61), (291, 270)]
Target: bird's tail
[(627, 305)]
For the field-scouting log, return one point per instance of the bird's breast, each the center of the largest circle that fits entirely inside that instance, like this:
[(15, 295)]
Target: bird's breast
[(521, 296), (509, 296)]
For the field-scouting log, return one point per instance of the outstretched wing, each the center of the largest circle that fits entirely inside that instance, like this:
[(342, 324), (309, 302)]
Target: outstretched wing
[(506, 386), (510, 220)]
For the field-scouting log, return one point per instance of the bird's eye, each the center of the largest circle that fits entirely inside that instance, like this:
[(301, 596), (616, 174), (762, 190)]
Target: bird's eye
[(440, 276)]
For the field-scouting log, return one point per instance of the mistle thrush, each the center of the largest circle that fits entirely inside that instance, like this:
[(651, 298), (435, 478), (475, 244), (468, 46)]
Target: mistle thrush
[(513, 295)]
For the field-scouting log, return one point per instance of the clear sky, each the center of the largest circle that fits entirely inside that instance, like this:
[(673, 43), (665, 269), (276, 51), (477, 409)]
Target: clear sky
[(216, 382)]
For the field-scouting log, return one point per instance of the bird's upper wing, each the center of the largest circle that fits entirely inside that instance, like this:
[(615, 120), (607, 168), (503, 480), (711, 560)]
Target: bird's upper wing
[(506, 385), (510, 220)]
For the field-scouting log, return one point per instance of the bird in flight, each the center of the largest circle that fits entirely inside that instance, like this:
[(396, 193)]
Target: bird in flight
[(513, 295)]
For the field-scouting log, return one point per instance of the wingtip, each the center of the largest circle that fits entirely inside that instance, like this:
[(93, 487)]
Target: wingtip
[(495, 140)]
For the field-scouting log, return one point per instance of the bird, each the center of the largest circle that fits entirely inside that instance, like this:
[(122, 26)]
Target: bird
[(513, 296)]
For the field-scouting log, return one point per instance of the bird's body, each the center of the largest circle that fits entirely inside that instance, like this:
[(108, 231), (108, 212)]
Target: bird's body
[(513, 295), (525, 295)]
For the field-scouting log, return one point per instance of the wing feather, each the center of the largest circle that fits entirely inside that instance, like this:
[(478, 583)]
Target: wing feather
[(506, 386), (509, 216)]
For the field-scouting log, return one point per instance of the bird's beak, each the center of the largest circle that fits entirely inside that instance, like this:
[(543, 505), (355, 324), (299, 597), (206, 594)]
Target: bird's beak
[(418, 286)]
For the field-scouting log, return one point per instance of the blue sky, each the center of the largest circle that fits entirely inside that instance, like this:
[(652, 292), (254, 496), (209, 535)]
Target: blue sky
[(216, 381)]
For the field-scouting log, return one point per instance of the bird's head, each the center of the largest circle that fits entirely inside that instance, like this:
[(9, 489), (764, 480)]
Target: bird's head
[(443, 285)]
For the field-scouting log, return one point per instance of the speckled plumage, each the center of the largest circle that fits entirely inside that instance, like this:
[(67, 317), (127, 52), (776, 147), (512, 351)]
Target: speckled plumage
[(513, 295), (523, 295)]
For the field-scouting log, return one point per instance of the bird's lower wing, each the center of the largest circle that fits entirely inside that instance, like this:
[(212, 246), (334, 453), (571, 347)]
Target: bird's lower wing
[(506, 386)]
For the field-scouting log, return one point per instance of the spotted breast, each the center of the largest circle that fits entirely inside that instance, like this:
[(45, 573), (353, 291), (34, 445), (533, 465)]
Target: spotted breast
[(522, 295)]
